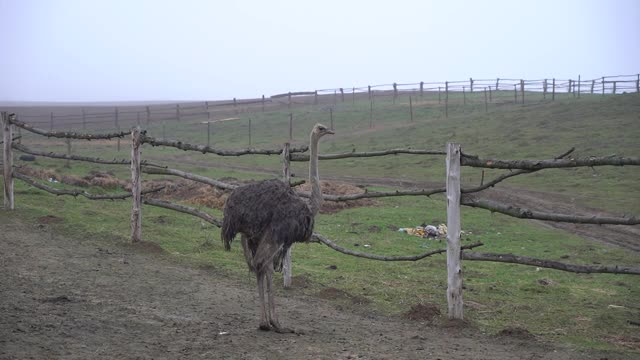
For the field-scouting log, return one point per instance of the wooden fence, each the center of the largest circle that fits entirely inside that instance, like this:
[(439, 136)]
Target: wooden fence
[(448, 93), (456, 195)]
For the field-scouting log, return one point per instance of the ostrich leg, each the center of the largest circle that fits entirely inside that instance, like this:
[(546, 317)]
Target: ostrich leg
[(273, 318), (264, 320)]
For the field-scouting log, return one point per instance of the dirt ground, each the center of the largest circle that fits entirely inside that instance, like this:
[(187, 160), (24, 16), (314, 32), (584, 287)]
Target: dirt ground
[(76, 298)]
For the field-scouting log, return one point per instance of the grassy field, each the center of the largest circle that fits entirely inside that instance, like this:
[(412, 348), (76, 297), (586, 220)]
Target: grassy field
[(584, 310)]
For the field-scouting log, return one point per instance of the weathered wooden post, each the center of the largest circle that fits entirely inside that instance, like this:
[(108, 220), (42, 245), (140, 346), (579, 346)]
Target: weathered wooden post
[(136, 208), (570, 84), (522, 90), (411, 108), (290, 126), (593, 85), (578, 86), (614, 87), (544, 89), (369, 91), (470, 85), (68, 163), (421, 88), (395, 92), (331, 116), (286, 175), (497, 84), (490, 96), (446, 99), (7, 161), (454, 265), (486, 107), (553, 89), (464, 96), (342, 94), (439, 95), (638, 84), (603, 85)]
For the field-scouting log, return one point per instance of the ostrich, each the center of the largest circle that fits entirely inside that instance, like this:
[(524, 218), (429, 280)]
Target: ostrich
[(270, 217)]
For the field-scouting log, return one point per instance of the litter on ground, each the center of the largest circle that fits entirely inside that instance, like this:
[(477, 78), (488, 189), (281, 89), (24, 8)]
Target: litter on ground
[(426, 231)]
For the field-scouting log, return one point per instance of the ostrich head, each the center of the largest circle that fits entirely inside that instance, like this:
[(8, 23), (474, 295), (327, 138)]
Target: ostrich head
[(320, 130)]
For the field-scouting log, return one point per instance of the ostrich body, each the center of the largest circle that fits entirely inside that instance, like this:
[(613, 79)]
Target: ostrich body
[(270, 217)]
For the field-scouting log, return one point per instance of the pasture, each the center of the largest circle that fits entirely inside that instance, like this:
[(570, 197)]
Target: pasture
[(585, 312)]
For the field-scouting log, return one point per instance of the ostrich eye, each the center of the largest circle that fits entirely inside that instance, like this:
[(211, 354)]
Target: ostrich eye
[(322, 128)]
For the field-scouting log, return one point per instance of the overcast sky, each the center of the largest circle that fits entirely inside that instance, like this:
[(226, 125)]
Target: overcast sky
[(82, 50)]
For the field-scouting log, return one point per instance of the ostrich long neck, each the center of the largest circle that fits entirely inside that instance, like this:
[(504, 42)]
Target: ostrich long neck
[(316, 193)]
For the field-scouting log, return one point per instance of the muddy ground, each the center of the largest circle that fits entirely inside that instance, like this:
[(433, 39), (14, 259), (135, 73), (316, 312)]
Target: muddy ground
[(75, 298)]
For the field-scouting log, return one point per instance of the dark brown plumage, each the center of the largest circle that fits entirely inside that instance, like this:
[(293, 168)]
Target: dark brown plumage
[(270, 217)]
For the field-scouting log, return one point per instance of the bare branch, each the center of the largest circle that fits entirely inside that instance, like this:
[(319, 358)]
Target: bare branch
[(369, 195), (190, 176), (183, 209), (53, 155), (508, 175), (522, 213), (208, 149), (305, 157), (65, 134), (525, 260), (31, 181), (474, 161), (334, 246)]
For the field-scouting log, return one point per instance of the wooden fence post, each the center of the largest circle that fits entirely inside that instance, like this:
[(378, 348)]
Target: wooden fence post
[(262, 103), (490, 95), (570, 84), (497, 84), (464, 96), (603, 85), (7, 161), (614, 87), (68, 163), (286, 175), (342, 94), (638, 84), (331, 117), (553, 89), (438, 94), (411, 108), (470, 85), (515, 93), (522, 90), (544, 89), (421, 88), (454, 265), (486, 108), (593, 84), (395, 92), (136, 208), (290, 126), (578, 86), (369, 91), (446, 99)]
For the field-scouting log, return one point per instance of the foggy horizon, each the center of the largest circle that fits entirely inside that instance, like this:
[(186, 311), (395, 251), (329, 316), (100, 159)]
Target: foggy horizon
[(74, 51)]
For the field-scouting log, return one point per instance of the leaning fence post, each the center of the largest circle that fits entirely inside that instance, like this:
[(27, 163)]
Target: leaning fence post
[(7, 159), (286, 175), (136, 209), (454, 265)]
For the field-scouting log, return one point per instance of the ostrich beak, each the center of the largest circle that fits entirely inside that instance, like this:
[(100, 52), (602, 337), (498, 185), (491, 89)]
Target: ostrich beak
[(329, 131)]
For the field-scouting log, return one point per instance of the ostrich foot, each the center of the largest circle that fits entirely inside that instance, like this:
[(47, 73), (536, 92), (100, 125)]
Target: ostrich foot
[(264, 327), (283, 330)]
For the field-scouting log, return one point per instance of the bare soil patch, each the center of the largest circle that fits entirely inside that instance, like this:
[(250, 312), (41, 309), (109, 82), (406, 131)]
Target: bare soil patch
[(79, 298)]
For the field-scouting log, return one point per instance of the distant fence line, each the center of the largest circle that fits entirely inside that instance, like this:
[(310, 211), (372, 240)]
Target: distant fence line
[(471, 90)]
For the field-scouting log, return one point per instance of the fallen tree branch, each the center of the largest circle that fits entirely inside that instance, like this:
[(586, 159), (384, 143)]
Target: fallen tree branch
[(183, 209), (522, 213), (338, 248), (474, 161), (65, 134), (53, 155), (305, 157), (75, 192), (525, 260), (208, 149)]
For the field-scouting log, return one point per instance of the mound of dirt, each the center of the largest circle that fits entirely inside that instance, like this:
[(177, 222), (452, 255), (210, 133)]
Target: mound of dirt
[(422, 312), (516, 332), (338, 188)]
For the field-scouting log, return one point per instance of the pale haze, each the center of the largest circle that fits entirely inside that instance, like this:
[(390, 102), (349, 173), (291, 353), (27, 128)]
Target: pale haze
[(80, 50)]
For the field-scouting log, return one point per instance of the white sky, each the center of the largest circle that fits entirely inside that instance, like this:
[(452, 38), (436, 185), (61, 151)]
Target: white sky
[(83, 50)]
